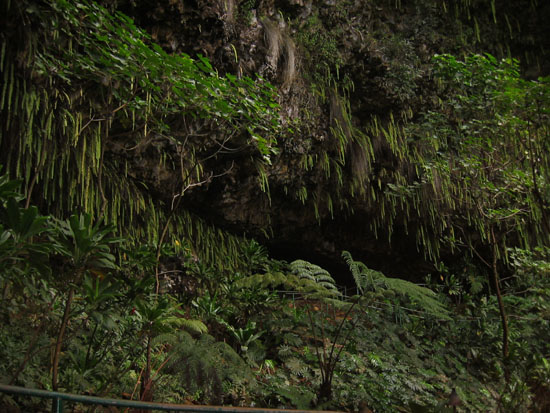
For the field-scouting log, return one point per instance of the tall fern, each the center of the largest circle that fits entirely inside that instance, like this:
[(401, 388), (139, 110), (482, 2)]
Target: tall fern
[(205, 366), (308, 271), (366, 278), (306, 285)]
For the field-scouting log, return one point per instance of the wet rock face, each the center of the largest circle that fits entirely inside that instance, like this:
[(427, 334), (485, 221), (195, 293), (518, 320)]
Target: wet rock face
[(343, 60)]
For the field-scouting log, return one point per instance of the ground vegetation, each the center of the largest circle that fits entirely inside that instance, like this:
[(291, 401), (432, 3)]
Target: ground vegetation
[(182, 181)]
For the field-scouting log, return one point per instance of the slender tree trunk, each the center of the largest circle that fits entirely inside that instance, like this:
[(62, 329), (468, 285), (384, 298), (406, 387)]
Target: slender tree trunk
[(146, 385), (60, 336), (325, 390), (502, 310), (503, 317)]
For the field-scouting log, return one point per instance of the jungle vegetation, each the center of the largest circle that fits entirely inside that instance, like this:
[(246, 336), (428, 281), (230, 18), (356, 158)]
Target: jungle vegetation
[(110, 286)]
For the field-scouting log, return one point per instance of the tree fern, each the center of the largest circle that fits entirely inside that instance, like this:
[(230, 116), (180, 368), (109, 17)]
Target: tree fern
[(305, 285), (366, 278), (306, 270), (203, 364)]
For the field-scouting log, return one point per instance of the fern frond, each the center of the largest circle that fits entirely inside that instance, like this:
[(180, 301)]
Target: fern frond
[(173, 339), (302, 269), (327, 285), (297, 366), (194, 326), (292, 339), (324, 277), (200, 360), (307, 271), (267, 280), (356, 271), (340, 304), (305, 285), (423, 297), (307, 276), (314, 290), (285, 351), (169, 339)]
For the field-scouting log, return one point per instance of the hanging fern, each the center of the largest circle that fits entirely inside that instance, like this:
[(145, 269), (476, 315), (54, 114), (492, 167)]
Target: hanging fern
[(88, 98)]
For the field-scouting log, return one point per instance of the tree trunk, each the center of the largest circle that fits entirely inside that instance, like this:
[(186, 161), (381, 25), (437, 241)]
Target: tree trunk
[(146, 384), (502, 310), (325, 390), (60, 336)]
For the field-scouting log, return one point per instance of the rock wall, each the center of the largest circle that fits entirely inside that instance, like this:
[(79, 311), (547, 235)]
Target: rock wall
[(337, 65)]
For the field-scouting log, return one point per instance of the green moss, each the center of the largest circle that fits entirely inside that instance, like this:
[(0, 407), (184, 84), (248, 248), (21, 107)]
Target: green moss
[(320, 49)]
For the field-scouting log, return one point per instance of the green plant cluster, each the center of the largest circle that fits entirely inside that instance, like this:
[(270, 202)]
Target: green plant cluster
[(390, 165), (320, 50), (469, 165), (479, 151), (87, 96), (80, 313), (273, 334), (181, 311)]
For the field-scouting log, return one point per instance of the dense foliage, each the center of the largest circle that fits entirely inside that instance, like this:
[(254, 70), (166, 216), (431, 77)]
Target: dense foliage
[(392, 346), (89, 101), (112, 289)]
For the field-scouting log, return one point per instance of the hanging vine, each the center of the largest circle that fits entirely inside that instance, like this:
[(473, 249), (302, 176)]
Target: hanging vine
[(88, 102)]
